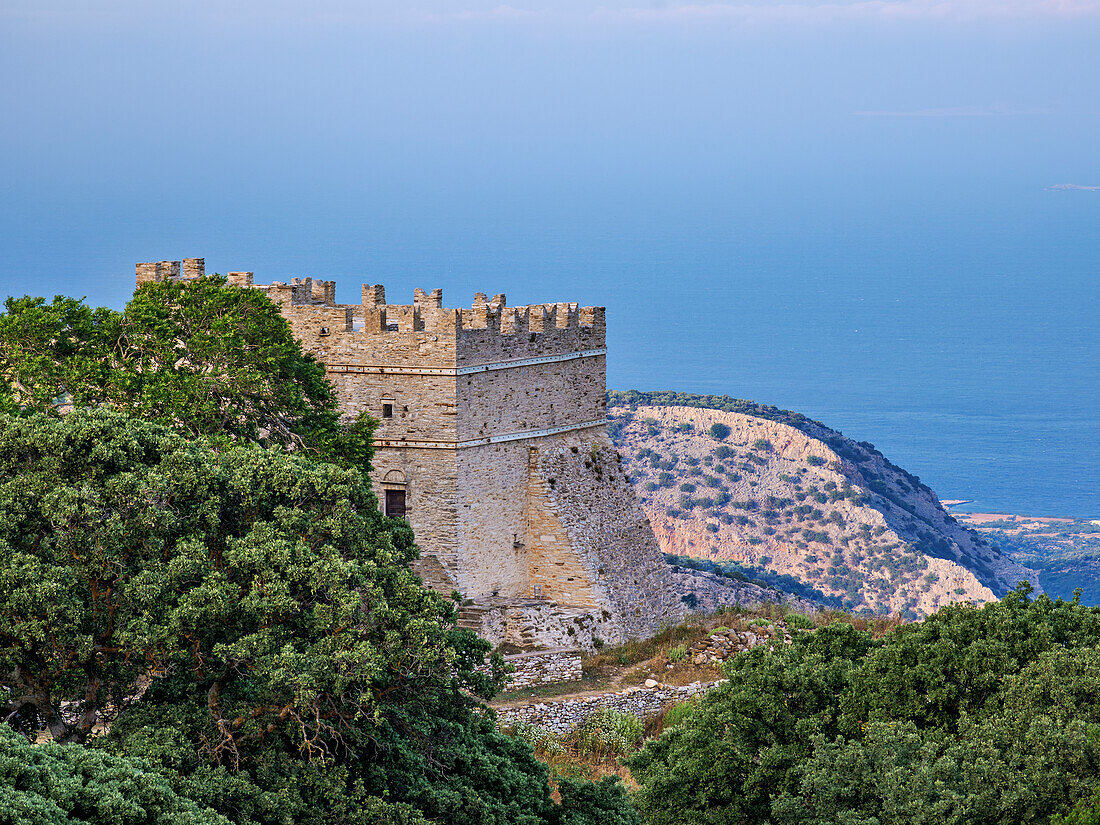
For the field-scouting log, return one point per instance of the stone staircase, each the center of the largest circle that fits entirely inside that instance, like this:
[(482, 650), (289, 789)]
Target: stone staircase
[(470, 616)]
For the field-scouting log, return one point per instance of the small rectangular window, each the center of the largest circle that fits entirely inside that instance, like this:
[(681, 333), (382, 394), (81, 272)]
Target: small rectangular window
[(387, 410), (395, 503)]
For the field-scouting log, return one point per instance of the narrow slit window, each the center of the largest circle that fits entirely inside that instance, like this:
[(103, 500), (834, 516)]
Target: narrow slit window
[(395, 503)]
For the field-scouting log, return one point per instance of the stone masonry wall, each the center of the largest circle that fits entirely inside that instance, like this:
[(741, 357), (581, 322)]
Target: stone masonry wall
[(430, 481), (607, 528), (424, 406), (540, 624), (492, 520), (557, 571), (534, 397), (562, 715), (544, 667)]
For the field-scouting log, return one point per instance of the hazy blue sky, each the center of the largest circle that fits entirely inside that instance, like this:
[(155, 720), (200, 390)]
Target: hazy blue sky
[(841, 207), (337, 135)]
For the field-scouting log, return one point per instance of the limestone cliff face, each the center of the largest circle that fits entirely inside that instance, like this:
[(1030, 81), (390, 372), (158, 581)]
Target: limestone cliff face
[(807, 502)]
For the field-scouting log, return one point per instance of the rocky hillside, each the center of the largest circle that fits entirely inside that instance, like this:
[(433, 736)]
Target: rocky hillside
[(729, 480)]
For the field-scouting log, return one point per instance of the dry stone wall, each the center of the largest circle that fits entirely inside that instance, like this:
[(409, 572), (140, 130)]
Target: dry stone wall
[(562, 715), (543, 667)]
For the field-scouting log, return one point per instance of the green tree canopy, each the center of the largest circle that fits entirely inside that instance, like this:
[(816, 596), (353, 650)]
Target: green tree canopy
[(246, 620), (984, 715), (200, 356)]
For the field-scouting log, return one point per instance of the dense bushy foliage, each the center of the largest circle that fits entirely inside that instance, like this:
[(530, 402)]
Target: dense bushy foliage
[(987, 715), (246, 620), (199, 356), (51, 784)]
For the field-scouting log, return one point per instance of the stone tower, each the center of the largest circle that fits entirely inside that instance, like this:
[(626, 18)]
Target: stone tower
[(492, 443)]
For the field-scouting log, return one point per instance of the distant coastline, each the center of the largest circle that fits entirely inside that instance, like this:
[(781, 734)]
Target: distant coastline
[(1065, 551)]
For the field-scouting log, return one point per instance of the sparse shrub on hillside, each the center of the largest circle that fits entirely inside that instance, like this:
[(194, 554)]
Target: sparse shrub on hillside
[(815, 460), (719, 431), (677, 714), (687, 487), (799, 621), (723, 452)]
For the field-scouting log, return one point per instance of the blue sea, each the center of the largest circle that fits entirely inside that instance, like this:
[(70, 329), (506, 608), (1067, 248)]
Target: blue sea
[(958, 331)]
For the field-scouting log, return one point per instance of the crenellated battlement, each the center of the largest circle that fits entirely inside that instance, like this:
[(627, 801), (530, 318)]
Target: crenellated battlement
[(186, 270), (488, 330)]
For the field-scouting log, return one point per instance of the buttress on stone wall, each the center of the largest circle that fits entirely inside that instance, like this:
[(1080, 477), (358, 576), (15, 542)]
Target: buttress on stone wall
[(492, 424)]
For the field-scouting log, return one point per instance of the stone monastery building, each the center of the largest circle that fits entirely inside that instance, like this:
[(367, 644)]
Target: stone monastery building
[(493, 445)]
